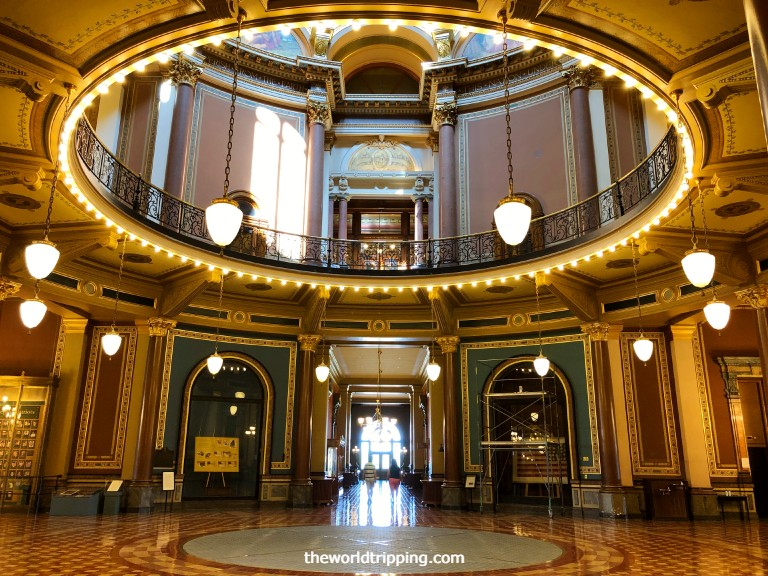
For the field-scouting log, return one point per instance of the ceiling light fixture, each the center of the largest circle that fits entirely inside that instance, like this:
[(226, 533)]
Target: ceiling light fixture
[(433, 368), (223, 217), (110, 342), (42, 255), (512, 215), (322, 370), (643, 346), (33, 311), (698, 263), (541, 362), (717, 312), (215, 362)]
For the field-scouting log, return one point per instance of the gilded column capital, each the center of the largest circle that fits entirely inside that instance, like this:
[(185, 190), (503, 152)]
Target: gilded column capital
[(580, 77), (8, 288), (159, 326), (443, 39), (756, 296), (447, 344), (601, 331), (445, 113), (683, 331), (318, 113), (309, 342), (183, 72)]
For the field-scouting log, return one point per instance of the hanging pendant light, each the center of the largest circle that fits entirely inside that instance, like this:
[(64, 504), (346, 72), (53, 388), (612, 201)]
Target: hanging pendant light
[(33, 311), (110, 342), (541, 362), (215, 361), (42, 256), (223, 217), (698, 263), (512, 215), (322, 370), (433, 368), (643, 346), (716, 312)]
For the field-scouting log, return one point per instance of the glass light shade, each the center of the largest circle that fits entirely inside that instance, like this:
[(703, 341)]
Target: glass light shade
[(699, 267), (215, 362), (41, 258), (233, 409), (223, 219), (718, 313), (322, 372), (541, 365), (513, 219), (361, 420), (643, 348), (32, 312), (110, 342), (433, 370)]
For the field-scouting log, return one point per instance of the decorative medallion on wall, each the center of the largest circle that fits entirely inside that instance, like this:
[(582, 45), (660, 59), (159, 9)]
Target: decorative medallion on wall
[(134, 258), (381, 156), (620, 263), (19, 201), (258, 286), (378, 326), (379, 296), (90, 288), (736, 209), (499, 289)]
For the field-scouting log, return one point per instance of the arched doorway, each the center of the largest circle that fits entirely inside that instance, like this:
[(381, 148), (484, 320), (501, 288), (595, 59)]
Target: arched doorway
[(528, 434), (225, 420)]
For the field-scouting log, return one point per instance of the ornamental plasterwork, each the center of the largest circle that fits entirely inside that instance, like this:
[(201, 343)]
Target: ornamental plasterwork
[(445, 113), (580, 76), (159, 326), (285, 464), (756, 296), (318, 113), (741, 137), (381, 156), (90, 392), (669, 432), (590, 389), (8, 288), (16, 134), (183, 72)]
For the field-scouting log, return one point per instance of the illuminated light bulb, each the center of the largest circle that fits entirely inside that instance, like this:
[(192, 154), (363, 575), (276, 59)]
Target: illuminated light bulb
[(103, 88), (163, 57), (357, 288), (656, 222), (646, 228), (119, 77), (557, 52), (587, 258), (699, 266), (517, 276), (643, 348), (392, 25), (433, 370), (386, 288), (214, 362), (612, 248), (629, 82), (269, 280), (313, 285), (298, 284), (370, 290), (322, 371), (211, 267), (609, 70), (140, 66), (399, 288), (248, 35), (546, 270), (718, 313), (283, 282), (529, 44), (356, 25), (187, 49), (488, 282), (41, 258), (239, 274), (216, 41), (157, 249), (414, 288), (341, 288), (110, 342), (541, 364), (574, 263), (32, 312), (463, 31), (474, 284)]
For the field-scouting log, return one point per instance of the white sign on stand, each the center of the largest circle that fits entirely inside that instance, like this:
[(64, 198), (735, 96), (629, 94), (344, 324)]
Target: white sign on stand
[(169, 482)]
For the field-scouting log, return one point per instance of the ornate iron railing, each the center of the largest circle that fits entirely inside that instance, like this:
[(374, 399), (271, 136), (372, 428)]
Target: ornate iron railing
[(548, 234)]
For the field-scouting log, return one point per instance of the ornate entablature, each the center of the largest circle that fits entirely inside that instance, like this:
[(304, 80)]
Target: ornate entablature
[(381, 156)]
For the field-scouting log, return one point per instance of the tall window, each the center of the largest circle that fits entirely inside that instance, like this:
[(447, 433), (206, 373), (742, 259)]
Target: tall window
[(382, 442)]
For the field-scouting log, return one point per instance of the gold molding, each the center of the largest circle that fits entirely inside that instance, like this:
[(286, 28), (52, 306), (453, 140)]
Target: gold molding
[(639, 466), (95, 358)]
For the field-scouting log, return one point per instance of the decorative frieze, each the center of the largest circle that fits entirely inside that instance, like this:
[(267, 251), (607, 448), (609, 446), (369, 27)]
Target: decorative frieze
[(448, 344), (8, 288), (756, 296), (309, 342), (159, 326)]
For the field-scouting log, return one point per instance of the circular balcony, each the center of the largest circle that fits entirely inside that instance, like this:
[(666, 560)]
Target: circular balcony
[(606, 219)]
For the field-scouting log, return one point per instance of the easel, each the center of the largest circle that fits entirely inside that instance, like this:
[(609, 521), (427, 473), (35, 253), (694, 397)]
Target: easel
[(208, 480)]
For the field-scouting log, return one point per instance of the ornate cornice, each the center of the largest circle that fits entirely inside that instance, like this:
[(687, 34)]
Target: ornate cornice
[(183, 72), (445, 113), (756, 296), (447, 344), (580, 77), (309, 342)]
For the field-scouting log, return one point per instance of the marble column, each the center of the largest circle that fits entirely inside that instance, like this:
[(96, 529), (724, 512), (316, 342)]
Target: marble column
[(757, 298), (615, 500), (184, 75), (444, 121), (418, 217), (318, 116), (343, 200), (141, 490), (331, 208), (580, 80), (691, 417), (453, 486), (756, 12), (301, 485)]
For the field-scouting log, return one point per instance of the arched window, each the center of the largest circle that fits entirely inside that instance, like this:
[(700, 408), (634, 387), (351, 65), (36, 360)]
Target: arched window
[(382, 442)]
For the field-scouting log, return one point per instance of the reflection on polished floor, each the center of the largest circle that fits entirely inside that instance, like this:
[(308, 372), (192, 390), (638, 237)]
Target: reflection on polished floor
[(151, 544)]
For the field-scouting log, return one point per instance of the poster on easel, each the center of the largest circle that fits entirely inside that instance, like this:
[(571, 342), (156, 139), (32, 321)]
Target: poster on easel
[(217, 454)]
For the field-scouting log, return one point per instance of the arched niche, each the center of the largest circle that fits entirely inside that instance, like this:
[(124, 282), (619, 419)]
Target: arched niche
[(513, 436), (207, 411)]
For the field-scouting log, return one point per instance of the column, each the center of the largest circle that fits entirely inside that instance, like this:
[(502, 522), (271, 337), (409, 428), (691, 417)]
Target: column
[(418, 217), (444, 121), (184, 75), (331, 207), (343, 199), (682, 347), (141, 491), (318, 116), (615, 500), (757, 298), (453, 486), (756, 12), (579, 82), (301, 485)]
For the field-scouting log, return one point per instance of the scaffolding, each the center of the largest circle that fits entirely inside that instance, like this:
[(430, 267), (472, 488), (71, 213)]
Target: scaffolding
[(531, 425)]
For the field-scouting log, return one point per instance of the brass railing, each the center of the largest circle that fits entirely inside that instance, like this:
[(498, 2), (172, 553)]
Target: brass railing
[(548, 234)]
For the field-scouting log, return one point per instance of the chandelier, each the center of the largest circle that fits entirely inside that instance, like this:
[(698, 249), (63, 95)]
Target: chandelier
[(378, 423)]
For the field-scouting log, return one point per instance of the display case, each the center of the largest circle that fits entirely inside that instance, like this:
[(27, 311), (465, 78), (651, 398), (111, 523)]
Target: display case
[(25, 404)]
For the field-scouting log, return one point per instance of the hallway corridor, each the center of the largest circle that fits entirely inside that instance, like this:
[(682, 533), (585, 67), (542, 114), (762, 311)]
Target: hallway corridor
[(155, 543)]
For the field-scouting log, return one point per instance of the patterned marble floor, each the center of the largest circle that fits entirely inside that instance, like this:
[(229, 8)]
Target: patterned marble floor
[(153, 544)]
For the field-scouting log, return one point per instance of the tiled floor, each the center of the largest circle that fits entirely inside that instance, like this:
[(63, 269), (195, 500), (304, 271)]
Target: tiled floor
[(152, 544)]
